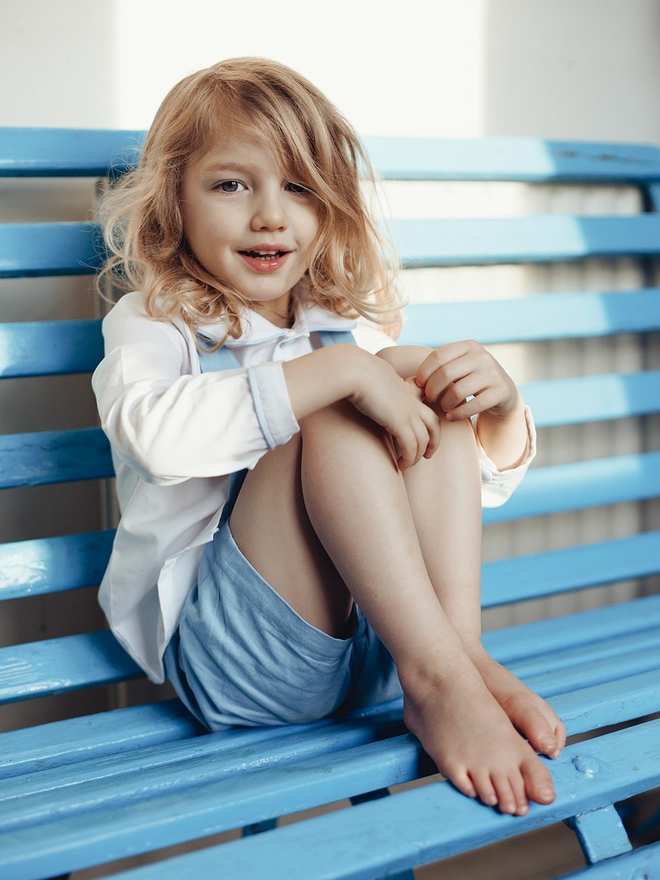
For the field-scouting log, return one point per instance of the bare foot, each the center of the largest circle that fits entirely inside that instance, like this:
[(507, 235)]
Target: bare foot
[(529, 713), (468, 735)]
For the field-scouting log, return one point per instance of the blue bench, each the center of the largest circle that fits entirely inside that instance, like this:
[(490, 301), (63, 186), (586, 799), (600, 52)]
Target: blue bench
[(90, 790)]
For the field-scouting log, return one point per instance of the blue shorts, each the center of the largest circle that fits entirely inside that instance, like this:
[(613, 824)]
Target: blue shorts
[(243, 656)]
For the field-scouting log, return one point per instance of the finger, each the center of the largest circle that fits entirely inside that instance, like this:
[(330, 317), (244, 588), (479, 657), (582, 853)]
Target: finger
[(408, 447), (461, 370), (438, 358), (472, 407)]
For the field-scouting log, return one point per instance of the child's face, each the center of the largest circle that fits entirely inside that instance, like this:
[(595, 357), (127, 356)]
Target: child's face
[(246, 222)]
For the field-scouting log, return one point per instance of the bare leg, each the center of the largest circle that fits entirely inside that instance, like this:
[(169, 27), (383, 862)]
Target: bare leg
[(451, 548), (357, 503)]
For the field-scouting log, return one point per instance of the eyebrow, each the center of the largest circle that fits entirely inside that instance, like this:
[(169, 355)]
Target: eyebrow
[(226, 166)]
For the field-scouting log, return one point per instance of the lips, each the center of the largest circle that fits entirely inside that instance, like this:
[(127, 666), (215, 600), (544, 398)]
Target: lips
[(265, 259)]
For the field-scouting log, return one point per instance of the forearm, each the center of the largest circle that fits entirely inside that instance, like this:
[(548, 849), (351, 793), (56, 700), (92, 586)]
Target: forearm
[(504, 437), (322, 378)]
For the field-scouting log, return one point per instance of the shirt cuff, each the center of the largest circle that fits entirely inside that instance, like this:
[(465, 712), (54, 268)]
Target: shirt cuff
[(497, 485), (272, 404)]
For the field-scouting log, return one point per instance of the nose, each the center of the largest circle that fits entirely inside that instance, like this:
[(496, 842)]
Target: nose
[(270, 211)]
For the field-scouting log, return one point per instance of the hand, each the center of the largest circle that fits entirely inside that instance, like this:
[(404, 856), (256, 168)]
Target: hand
[(397, 405), (461, 370)]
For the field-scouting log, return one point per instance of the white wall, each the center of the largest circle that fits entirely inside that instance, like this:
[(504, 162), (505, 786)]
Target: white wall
[(554, 68)]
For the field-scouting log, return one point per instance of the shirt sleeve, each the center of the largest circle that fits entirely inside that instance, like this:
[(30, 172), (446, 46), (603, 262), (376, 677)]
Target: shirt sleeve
[(168, 421), (497, 486)]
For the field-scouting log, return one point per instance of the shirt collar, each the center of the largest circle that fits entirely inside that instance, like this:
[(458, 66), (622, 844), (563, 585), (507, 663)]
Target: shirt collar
[(310, 317)]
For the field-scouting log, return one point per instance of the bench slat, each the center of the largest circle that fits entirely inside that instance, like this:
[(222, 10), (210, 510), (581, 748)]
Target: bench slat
[(63, 152), (30, 250), (42, 457), (66, 152), (55, 666), (593, 398), (437, 820), (558, 571), (512, 158), (40, 249), (42, 348), (140, 775), (426, 824), (580, 485), (73, 740), (542, 238), (534, 318), (48, 565), (571, 630)]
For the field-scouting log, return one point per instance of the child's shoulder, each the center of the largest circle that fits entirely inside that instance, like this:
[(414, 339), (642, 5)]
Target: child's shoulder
[(129, 322)]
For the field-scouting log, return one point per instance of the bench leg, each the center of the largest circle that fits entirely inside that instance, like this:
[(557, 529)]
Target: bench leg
[(601, 834)]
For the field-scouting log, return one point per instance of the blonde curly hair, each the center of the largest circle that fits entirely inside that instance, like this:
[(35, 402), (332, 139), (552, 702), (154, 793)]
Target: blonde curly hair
[(351, 269)]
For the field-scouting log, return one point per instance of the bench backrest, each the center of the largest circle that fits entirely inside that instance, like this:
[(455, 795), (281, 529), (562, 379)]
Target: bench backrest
[(64, 563)]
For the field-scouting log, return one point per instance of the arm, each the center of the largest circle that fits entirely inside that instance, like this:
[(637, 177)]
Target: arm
[(452, 373)]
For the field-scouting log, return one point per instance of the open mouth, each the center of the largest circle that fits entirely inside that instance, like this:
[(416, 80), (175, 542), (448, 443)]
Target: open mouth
[(264, 255)]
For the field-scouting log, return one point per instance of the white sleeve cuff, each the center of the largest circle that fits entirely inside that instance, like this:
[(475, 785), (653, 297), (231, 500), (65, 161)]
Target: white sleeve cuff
[(272, 404), (496, 485)]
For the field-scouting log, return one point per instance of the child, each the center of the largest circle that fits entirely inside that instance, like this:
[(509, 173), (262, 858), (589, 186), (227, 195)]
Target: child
[(244, 237)]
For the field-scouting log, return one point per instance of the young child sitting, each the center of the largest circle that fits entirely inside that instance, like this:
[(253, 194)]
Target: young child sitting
[(301, 499)]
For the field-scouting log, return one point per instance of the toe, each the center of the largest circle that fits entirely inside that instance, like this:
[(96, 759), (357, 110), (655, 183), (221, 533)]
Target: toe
[(538, 781)]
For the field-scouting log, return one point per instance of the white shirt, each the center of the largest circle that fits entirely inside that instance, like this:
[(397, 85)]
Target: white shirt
[(176, 435)]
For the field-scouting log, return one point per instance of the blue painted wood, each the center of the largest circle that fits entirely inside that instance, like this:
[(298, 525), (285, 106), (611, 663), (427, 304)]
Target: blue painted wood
[(68, 742), (601, 834), (117, 781), (379, 837), (593, 398), (571, 630), (33, 249), (43, 249), (541, 238), (558, 571), (41, 348), (641, 864), (59, 665), (39, 152), (612, 702), (511, 158), (48, 565), (67, 152), (532, 318), (54, 457), (581, 485)]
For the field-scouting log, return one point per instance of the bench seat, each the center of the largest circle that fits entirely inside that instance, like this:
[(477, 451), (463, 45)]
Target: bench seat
[(94, 789)]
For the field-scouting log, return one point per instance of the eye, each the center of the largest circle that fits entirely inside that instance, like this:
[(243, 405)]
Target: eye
[(230, 186), (299, 189)]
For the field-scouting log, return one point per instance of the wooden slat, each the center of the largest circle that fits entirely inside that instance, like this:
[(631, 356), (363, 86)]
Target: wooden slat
[(67, 742), (580, 485), (558, 571), (381, 836), (66, 152), (542, 238), (421, 825), (57, 666), (48, 565), (529, 160), (534, 318), (571, 630), (54, 457), (44, 249), (38, 152), (42, 348), (32, 249), (593, 398)]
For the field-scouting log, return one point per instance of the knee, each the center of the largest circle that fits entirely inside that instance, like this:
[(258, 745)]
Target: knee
[(406, 359)]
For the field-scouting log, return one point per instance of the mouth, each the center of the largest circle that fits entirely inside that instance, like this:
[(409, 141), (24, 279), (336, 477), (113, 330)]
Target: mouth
[(264, 255), (265, 260)]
